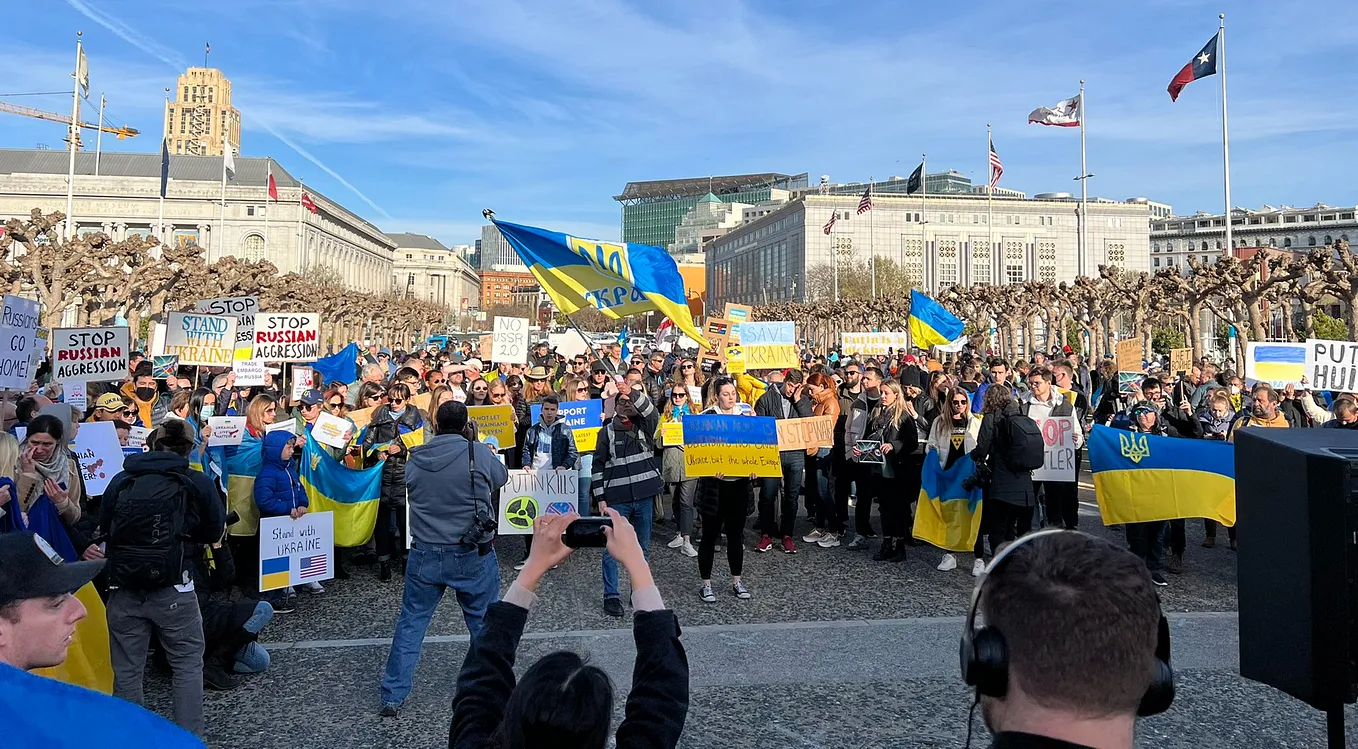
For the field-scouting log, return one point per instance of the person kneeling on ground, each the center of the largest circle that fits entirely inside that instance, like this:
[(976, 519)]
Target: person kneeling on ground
[(563, 702)]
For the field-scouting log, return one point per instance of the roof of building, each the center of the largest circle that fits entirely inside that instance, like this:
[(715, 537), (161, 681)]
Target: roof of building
[(416, 241), (250, 171), (697, 186), (709, 198)]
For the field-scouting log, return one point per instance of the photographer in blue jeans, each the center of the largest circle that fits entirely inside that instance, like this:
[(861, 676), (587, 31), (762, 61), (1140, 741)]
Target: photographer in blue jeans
[(449, 484), (626, 475)]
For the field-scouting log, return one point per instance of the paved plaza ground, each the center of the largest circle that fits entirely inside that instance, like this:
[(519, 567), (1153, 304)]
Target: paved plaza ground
[(834, 650)]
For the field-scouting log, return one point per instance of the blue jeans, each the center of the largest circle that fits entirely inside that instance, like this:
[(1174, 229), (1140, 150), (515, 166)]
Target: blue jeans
[(430, 570), (586, 478), (639, 515)]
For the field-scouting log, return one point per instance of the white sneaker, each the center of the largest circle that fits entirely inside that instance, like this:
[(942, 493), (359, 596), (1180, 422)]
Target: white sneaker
[(676, 542), (813, 536), (313, 588), (949, 562), (519, 567), (740, 591), (978, 568), (688, 549), (707, 595), (828, 541)]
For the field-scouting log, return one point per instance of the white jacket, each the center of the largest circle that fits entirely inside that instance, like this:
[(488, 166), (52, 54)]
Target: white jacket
[(940, 436)]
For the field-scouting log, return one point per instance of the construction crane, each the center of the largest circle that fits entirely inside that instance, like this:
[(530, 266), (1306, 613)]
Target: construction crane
[(65, 119)]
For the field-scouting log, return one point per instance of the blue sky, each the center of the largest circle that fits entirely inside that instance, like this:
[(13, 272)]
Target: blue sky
[(419, 113)]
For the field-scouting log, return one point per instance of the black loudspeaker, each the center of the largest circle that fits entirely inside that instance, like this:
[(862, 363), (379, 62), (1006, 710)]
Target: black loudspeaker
[(1297, 508)]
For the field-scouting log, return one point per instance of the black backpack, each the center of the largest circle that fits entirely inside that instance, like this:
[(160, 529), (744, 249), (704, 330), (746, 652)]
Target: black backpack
[(1021, 448), (146, 535)]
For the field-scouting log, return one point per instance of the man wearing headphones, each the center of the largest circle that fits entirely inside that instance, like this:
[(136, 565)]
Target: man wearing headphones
[(1073, 648)]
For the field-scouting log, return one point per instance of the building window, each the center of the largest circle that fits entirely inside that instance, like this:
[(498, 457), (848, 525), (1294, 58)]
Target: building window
[(1287, 241), (1155, 247), (1117, 253), (1272, 241), (409, 256), (1157, 262), (1311, 242), (253, 247), (1328, 240), (249, 210), (410, 280)]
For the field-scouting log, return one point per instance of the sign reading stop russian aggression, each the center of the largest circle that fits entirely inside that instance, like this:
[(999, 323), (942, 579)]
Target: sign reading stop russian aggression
[(287, 336), (89, 354), (198, 339)]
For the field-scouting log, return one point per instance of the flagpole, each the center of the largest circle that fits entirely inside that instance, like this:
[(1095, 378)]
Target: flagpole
[(301, 234), (99, 134), (834, 251), (266, 207), (872, 247), (989, 202), (1225, 134), (165, 154), (220, 239), (74, 139), (1084, 191), (923, 207)]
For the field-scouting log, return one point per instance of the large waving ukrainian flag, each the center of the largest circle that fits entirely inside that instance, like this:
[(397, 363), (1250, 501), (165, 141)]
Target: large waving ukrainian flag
[(351, 494), (616, 278), (931, 324), (947, 515), (1142, 477), (242, 468)]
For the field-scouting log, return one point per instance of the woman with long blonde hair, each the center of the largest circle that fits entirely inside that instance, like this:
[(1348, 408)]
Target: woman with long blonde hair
[(896, 434)]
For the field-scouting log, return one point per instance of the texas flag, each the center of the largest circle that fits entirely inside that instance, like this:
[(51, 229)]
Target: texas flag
[(1202, 65)]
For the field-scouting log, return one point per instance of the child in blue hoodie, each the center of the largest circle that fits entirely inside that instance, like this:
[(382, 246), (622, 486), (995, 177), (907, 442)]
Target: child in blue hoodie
[(278, 491)]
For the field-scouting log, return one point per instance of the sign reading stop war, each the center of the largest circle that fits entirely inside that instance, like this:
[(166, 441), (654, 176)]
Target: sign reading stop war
[(1332, 365), (804, 434), (243, 308), (1058, 435), (287, 336), (198, 339), (90, 354)]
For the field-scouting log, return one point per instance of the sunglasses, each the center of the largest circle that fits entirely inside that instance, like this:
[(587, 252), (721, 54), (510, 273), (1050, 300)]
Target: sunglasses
[(374, 397), (497, 396), (687, 366), (478, 390), (335, 404), (852, 372), (582, 390), (397, 401), (127, 413), (961, 403), (679, 396)]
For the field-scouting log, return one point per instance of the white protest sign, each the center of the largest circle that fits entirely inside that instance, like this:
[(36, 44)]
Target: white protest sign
[(332, 431), (767, 333), (296, 552), (199, 339), (531, 493), (1332, 365), (874, 344), (17, 347), (100, 454), (243, 308), (226, 430), (158, 339), (301, 381), (510, 343), (76, 394), (89, 354), (19, 313), (249, 372), (136, 437), (288, 425), (1058, 436), (287, 336)]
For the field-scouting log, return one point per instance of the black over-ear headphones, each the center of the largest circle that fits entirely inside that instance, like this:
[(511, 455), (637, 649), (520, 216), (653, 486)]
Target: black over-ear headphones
[(985, 657)]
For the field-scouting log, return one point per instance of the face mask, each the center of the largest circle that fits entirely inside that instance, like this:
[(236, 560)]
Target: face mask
[(208, 411), (1235, 390), (146, 394)]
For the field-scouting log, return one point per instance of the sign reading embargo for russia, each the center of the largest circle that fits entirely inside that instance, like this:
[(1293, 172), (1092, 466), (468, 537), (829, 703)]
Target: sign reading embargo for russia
[(287, 336)]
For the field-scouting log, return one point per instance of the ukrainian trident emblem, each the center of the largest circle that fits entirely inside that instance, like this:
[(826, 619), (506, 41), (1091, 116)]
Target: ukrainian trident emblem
[(1132, 449)]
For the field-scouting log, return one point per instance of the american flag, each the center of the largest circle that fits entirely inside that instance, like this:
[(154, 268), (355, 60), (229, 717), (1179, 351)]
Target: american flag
[(996, 167), (830, 225), (865, 202), (312, 567)]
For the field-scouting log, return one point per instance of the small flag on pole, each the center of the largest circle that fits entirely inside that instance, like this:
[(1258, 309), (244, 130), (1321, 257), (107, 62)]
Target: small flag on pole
[(996, 167), (82, 74), (164, 166), (1202, 65), (830, 225), (916, 181), (1065, 114), (865, 202), (309, 204), (273, 186), (228, 161)]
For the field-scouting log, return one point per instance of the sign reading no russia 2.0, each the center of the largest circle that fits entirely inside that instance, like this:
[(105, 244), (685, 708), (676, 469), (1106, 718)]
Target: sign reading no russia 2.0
[(287, 336)]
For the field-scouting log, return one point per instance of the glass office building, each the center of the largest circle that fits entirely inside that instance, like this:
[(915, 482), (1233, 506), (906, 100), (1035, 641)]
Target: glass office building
[(651, 210), (940, 183)]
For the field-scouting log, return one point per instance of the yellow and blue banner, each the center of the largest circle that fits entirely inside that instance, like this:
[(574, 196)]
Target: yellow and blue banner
[(736, 446), (242, 468), (87, 663), (931, 324), (352, 495), (616, 278), (947, 515), (584, 418), (1140, 478), (275, 573)]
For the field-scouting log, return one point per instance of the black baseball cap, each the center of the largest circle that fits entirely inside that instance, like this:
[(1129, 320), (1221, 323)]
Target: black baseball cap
[(31, 568)]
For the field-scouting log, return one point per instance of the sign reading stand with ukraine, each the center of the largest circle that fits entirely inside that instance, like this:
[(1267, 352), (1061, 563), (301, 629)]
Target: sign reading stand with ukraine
[(295, 552), (736, 446), (1139, 478)]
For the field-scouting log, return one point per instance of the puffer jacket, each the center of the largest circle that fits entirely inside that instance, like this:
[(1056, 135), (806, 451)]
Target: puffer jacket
[(278, 490), (387, 429), (1005, 485)]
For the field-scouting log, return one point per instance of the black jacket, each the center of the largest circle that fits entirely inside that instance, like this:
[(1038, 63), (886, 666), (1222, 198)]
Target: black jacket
[(1005, 485), (1015, 740), (656, 706), (385, 429)]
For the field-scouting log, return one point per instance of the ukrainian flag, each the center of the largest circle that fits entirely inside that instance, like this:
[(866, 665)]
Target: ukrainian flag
[(242, 467), (931, 324), (351, 494), (275, 573), (1140, 478), (947, 515), (616, 278)]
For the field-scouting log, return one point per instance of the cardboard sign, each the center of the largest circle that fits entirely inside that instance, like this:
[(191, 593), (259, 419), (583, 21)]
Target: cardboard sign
[(735, 360), (243, 308), (1180, 359), (288, 424), (737, 314), (731, 445), (287, 336), (485, 344), (770, 356), (332, 431), (1058, 433), (1332, 365), (494, 424), (768, 333), (164, 367), (303, 379), (361, 417), (806, 433), (136, 437), (1278, 364), (200, 339), (296, 552), (16, 357), (158, 339), (76, 395), (100, 454), (226, 430), (89, 354), (583, 417), (1129, 355), (249, 372), (510, 341), (672, 433), (531, 493), (874, 344), (717, 331)]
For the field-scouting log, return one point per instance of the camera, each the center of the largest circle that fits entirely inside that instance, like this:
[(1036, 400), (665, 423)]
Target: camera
[(980, 478), (232, 517)]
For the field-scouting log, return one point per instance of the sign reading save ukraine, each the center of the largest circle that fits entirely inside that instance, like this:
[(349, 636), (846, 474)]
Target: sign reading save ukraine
[(735, 446), (1140, 478)]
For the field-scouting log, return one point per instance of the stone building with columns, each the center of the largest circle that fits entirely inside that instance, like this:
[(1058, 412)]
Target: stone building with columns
[(123, 200)]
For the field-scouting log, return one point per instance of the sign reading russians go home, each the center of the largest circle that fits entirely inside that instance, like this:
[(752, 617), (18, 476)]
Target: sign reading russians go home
[(287, 336)]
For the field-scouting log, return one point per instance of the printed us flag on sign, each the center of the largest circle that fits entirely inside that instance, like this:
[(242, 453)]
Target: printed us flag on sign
[(312, 567)]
